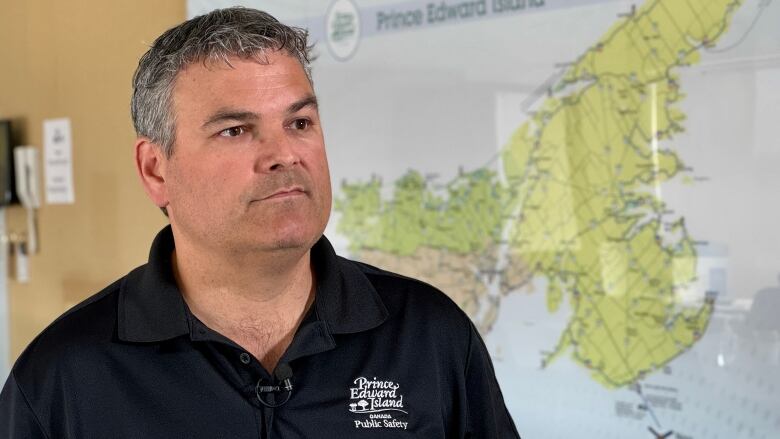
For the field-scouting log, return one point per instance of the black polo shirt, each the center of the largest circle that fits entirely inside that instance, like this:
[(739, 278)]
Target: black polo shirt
[(378, 356)]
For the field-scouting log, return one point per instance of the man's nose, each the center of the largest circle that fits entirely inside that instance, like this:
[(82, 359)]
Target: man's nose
[(276, 152)]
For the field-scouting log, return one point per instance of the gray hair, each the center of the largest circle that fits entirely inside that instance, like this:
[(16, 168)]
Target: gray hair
[(214, 37)]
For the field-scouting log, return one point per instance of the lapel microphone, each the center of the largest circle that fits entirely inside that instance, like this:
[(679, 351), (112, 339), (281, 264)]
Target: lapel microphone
[(282, 375)]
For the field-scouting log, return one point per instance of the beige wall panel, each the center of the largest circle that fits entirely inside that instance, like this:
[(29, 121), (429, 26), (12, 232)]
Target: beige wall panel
[(75, 59)]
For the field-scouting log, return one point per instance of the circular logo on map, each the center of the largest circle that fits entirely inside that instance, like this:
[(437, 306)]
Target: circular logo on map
[(342, 28)]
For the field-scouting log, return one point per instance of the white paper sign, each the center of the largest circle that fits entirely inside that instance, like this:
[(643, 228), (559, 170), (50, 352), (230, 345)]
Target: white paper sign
[(22, 263), (58, 161)]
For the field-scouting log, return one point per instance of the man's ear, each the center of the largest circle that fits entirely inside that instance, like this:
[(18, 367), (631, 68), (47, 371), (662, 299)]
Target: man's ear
[(150, 164)]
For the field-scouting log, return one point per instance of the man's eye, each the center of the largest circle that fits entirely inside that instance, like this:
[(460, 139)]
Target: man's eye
[(232, 132), (301, 124)]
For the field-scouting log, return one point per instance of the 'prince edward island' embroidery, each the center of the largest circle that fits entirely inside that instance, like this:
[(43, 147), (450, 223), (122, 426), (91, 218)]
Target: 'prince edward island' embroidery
[(380, 402)]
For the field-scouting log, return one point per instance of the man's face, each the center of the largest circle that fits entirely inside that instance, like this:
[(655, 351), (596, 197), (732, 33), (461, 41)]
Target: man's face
[(248, 171)]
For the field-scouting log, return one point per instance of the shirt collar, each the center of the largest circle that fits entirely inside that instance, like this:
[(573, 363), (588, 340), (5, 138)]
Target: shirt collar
[(151, 307)]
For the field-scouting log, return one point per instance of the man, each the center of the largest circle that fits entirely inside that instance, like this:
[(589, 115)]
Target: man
[(245, 323)]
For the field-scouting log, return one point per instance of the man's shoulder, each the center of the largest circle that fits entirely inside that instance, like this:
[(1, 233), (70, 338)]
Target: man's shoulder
[(83, 329), (411, 295)]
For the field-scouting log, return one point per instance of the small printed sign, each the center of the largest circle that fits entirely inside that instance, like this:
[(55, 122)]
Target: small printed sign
[(58, 161)]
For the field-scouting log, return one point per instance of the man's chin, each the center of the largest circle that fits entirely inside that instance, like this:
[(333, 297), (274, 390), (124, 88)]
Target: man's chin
[(290, 233), (291, 244), (284, 242)]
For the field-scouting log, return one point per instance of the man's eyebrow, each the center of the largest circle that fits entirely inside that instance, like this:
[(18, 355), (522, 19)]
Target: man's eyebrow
[(238, 115), (232, 115), (308, 101)]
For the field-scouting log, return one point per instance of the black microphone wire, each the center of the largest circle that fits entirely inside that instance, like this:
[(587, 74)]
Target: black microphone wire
[(283, 375)]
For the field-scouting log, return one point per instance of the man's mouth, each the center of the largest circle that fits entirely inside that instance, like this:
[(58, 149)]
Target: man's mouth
[(295, 191)]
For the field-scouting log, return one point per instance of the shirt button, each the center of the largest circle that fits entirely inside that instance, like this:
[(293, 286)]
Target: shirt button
[(245, 358)]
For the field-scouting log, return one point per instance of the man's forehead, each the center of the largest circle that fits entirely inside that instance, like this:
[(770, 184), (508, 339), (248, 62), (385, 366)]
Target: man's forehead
[(237, 78), (268, 63)]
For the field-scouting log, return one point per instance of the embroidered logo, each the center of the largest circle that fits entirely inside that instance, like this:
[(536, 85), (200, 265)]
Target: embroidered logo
[(379, 402)]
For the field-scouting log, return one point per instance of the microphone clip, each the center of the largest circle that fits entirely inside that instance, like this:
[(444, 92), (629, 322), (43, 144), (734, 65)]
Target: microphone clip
[(283, 375)]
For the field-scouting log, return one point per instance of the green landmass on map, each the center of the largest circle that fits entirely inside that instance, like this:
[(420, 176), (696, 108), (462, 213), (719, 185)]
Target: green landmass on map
[(578, 205)]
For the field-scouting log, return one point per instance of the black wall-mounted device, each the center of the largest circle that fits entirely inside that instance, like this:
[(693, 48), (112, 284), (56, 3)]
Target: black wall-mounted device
[(7, 177)]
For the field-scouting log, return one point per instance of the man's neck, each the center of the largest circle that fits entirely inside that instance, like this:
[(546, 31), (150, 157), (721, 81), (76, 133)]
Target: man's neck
[(258, 301)]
